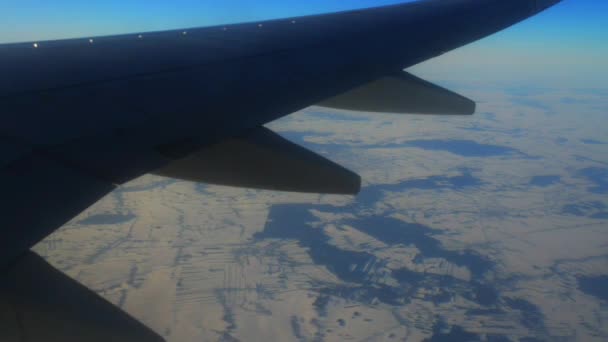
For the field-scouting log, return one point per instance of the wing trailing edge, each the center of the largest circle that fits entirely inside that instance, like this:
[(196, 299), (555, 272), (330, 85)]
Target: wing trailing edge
[(262, 159), (402, 93)]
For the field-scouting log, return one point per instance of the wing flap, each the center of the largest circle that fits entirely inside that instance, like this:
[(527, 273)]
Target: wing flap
[(41, 304), (402, 93), (262, 159)]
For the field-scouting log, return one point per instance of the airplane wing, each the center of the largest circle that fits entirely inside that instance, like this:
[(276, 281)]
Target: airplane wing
[(82, 116)]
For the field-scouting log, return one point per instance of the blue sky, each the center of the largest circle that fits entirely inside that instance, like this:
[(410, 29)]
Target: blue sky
[(567, 42)]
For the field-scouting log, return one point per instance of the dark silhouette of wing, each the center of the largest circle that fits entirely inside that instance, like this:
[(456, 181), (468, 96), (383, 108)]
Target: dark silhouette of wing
[(82, 116)]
